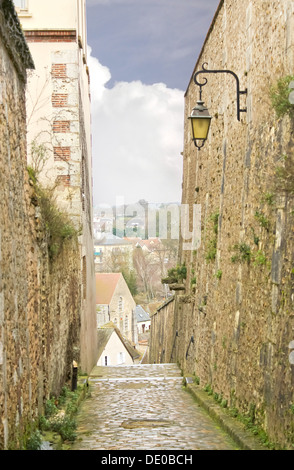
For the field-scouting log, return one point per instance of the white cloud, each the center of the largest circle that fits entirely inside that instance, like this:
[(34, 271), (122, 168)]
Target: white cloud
[(137, 134)]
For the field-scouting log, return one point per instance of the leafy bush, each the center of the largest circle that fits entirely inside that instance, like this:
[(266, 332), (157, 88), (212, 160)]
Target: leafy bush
[(219, 274), (193, 281), (175, 275), (279, 95), (242, 253), (50, 408), (65, 426), (260, 258), (196, 380), (35, 440), (59, 414), (262, 219)]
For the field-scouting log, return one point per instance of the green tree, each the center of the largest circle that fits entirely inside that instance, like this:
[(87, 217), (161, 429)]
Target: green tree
[(131, 280)]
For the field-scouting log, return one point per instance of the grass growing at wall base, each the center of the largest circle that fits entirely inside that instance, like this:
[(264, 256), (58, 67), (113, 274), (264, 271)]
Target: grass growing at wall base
[(247, 419), (59, 415), (58, 421)]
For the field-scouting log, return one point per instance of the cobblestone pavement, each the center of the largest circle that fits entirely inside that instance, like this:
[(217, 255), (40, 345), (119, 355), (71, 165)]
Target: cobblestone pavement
[(144, 407)]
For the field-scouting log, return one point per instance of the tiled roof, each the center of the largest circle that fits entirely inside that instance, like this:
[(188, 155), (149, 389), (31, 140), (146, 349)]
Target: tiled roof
[(151, 244), (105, 287), (111, 240)]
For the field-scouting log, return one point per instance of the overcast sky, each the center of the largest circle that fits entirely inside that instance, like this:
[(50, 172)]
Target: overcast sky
[(141, 56)]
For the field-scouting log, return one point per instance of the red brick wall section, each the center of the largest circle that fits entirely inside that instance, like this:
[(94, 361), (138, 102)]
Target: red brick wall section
[(63, 180), (51, 36), (58, 71), (61, 126), (59, 100), (61, 153)]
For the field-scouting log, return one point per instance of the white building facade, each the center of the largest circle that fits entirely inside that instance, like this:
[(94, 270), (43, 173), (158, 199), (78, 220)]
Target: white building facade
[(113, 349), (59, 129)]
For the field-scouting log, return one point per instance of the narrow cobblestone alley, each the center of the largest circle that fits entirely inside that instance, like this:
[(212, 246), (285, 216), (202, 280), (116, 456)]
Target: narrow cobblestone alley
[(144, 407)]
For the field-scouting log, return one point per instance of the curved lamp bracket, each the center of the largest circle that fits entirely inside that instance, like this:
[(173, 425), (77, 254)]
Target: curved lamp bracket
[(239, 92)]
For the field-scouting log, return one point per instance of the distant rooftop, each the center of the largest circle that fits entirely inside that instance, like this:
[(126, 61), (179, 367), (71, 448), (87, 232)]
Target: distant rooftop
[(108, 238), (141, 314), (105, 287)]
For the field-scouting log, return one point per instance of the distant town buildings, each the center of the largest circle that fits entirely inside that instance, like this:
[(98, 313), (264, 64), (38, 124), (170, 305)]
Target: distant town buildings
[(112, 253)]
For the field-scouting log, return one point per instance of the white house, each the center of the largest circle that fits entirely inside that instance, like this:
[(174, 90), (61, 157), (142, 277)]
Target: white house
[(114, 349), (143, 320)]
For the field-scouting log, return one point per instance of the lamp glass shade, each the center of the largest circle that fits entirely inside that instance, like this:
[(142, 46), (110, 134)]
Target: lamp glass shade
[(200, 121), (200, 127)]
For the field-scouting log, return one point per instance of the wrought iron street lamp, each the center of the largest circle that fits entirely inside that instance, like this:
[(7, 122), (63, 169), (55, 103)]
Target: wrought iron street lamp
[(200, 117), (200, 122)]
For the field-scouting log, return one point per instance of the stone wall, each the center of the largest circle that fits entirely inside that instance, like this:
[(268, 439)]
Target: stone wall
[(240, 312), (58, 120), (163, 336), (39, 296)]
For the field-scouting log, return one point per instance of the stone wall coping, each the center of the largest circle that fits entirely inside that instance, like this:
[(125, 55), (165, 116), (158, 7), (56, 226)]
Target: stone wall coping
[(164, 304), (13, 38)]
